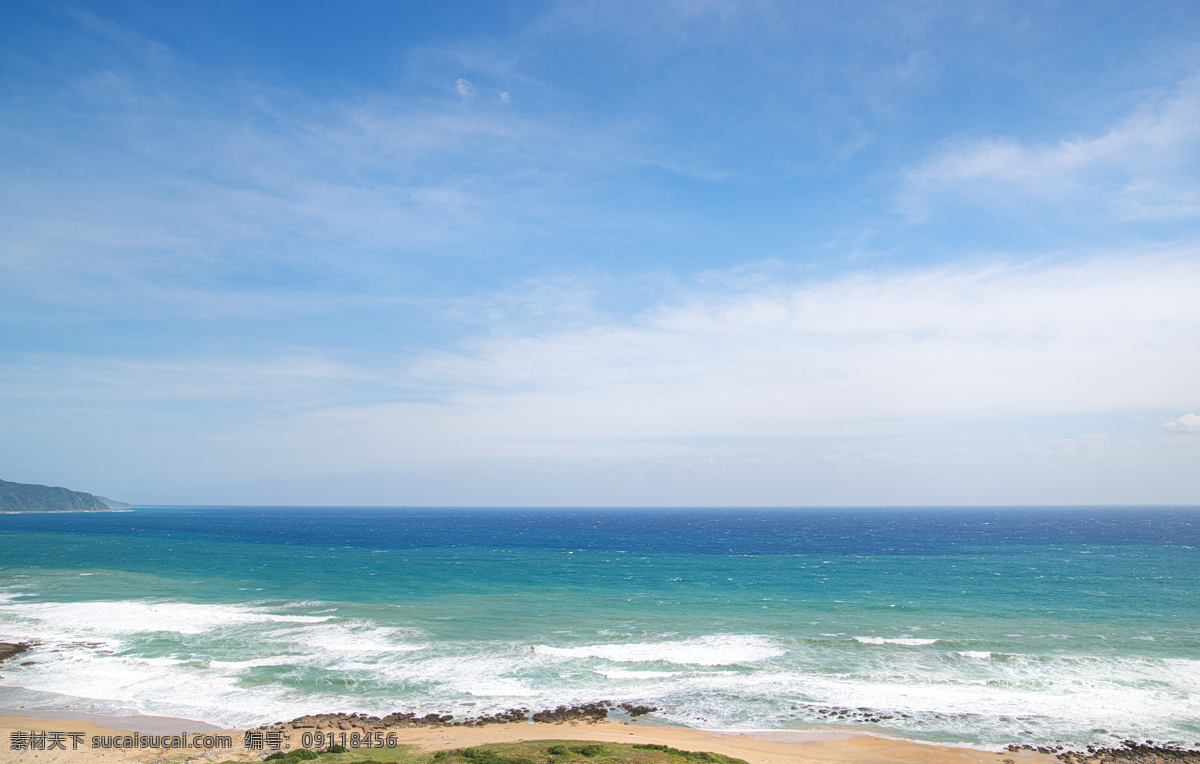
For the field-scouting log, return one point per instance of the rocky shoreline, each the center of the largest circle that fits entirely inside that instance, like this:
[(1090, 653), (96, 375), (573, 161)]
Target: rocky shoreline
[(1130, 752), (585, 712), (1140, 754), (12, 649)]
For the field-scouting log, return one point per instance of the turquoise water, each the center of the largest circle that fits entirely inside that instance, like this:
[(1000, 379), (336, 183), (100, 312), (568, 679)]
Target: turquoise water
[(977, 626)]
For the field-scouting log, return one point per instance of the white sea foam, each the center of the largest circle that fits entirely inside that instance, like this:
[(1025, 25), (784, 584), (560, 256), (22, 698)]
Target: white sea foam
[(715, 650), (237, 666), (908, 641), (356, 638), (144, 684), (718, 681), (483, 670), (1050, 695), (64, 620)]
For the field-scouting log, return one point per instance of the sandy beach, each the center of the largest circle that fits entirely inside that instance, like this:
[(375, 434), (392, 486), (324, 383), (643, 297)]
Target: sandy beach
[(818, 746)]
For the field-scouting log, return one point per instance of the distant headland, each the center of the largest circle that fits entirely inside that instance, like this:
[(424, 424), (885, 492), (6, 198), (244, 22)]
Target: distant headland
[(25, 497)]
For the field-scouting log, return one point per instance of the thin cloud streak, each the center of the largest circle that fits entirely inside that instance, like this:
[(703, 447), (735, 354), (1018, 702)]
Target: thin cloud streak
[(1143, 168)]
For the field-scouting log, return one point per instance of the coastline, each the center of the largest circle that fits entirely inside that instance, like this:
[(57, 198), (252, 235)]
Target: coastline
[(389, 616), (56, 511), (813, 746)]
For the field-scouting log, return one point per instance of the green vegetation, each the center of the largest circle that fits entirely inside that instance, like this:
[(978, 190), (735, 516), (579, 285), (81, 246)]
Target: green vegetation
[(589, 750), (23, 497), (291, 757), (527, 752), (691, 755), (480, 755), (338, 754)]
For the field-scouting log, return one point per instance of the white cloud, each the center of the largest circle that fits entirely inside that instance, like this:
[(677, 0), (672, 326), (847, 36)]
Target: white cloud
[(855, 355), (506, 98), (738, 373), (464, 87), (1142, 168), (739, 392), (1188, 423)]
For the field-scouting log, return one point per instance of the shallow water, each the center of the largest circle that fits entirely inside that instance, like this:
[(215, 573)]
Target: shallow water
[(978, 626)]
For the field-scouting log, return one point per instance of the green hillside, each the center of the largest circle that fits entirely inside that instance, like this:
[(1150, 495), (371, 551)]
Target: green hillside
[(23, 497)]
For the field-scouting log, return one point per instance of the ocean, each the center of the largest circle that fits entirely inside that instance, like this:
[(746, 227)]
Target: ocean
[(981, 627)]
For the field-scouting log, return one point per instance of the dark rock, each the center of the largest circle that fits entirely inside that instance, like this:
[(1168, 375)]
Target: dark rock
[(12, 649), (585, 712), (1132, 754), (589, 711)]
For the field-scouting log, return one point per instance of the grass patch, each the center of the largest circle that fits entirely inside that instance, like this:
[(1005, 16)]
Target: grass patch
[(561, 752), (716, 758), (525, 752), (291, 757)]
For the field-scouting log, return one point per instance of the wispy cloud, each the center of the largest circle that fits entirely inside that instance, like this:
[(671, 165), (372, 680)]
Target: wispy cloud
[(1143, 168), (144, 173), (736, 363), (263, 383), (1087, 446), (855, 355)]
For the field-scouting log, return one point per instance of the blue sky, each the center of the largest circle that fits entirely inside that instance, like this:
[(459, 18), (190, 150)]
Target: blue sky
[(601, 253)]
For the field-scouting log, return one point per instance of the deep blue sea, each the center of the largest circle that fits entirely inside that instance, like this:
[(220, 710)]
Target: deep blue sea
[(976, 626)]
